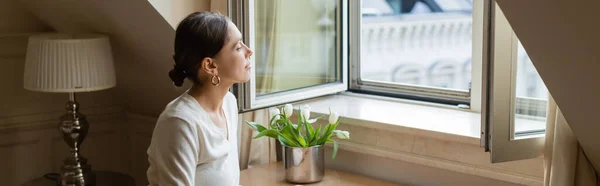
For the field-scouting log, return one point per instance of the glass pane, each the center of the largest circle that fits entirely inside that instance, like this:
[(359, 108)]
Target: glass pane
[(532, 98), (417, 42), (296, 44)]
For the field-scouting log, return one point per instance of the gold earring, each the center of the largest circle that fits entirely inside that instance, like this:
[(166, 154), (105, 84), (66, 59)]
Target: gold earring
[(212, 80)]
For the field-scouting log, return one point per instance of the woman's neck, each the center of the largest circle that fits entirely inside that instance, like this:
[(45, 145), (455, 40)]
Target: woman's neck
[(209, 97)]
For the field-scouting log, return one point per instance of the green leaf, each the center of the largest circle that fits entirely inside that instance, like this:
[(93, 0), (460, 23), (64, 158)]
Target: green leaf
[(333, 127), (335, 148), (310, 128), (320, 133), (328, 133), (326, 137), (323, 138), (289, 123), (296, 135), (316, 136), (284, 141), (289, 134), (273, 122), (280, 121), (269, 132), (256, 126), (310, 131), (302, 141)]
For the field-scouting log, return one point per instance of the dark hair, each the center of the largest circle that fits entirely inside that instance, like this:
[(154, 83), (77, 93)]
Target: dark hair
[(199, 35)]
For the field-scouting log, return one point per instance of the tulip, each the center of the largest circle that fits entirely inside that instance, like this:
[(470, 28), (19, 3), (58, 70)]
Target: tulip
[(342, 134), (274, 112), (306, 112), (333, 117), (288, 110)]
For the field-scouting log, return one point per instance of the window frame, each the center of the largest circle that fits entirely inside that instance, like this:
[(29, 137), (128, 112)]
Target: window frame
[(471, 97), (242, 14), (498, 119), (491, 93)]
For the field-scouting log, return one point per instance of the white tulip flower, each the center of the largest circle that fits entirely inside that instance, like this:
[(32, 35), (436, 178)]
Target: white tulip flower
[(342, 134), (288, 110), (333, 117), (274, 112), (306, 112)]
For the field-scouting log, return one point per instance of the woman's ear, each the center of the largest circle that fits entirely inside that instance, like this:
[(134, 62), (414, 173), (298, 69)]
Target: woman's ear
[(209, 66)]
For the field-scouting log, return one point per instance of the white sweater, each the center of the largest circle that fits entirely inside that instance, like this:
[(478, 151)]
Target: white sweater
[(187, 148)]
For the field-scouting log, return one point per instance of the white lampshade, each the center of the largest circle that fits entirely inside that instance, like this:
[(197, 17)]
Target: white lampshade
[(69, 63)]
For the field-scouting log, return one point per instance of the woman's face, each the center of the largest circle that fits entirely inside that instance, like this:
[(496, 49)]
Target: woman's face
[(233, 61)]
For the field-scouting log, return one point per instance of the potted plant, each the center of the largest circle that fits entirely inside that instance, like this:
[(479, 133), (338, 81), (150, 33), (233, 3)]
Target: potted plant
[(303, 143)]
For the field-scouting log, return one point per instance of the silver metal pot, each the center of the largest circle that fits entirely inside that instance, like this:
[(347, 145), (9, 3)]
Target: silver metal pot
[(304, 164)]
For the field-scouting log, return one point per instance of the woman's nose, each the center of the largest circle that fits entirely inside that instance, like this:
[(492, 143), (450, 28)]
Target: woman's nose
[(250, 52)]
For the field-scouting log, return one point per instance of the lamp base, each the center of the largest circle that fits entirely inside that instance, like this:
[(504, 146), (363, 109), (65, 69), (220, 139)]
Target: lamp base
[(73, 173), (73, 127)]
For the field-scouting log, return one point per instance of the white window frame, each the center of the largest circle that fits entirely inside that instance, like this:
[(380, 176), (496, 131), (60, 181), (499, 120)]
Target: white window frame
[(242, 14), (499, 118), (471, 97), (492, 92)]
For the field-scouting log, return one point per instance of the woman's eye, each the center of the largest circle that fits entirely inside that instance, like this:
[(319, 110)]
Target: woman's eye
[(238, 48)]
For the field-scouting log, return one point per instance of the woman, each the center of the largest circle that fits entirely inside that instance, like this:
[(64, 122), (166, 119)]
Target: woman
[(194, 141)]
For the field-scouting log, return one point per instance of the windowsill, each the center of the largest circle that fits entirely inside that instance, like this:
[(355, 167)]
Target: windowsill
[(406, 116), (428, 134)]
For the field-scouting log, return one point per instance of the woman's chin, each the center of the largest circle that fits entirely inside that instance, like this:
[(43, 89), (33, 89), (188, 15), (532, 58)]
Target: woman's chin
[(244, 80), (247, 77)]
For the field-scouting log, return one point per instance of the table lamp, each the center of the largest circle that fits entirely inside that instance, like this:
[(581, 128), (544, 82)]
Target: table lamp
[(70, 63)]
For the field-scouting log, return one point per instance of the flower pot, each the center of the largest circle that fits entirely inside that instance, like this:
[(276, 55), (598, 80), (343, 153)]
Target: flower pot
[(304, 164)]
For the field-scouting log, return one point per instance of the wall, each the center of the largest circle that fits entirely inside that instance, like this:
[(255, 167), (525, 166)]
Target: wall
[(141, 38), (561, 38), (30, 144), (141, 128), (175, 10), (142, 47)]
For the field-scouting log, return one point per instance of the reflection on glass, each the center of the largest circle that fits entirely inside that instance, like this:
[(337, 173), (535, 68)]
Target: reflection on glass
[(531, 98), (417, 42), (295, 44)]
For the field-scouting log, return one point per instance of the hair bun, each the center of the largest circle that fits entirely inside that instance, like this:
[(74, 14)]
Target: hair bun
[(177, 77)]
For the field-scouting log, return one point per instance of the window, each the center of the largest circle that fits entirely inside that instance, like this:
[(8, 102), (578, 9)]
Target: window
[(449, 51), (299, 50), (516, 100), (531, 98), (415, 48)]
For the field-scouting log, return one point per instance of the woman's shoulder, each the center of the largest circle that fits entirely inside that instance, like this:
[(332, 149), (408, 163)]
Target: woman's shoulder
[(181, 108), (231, 102), (231, 97)]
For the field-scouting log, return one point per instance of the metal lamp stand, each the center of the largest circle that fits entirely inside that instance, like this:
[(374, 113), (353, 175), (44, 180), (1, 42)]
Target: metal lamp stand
[(73, 127)]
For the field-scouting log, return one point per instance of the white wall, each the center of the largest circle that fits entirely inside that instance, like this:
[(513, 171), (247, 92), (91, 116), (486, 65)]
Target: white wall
[(175, 10)]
